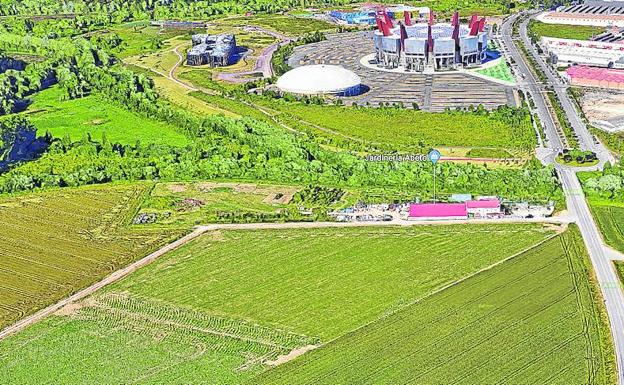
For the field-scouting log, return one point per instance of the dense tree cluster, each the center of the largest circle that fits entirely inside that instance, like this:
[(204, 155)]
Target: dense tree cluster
[(248, 149), (221, 147), (124, 10), (80, 66), (280, 57), (609, 184)]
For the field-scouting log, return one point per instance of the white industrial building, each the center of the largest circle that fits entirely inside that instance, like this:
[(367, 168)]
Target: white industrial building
[(565, 52), (320, 79), (600, 13)]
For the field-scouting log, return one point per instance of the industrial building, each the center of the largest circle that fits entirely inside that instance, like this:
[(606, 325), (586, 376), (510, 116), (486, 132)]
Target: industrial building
[(604, 13), (320, 79), (566, 52), (482, 208), (595, 77), (353, 17), (214, 50), (368, 14), (442, 46)]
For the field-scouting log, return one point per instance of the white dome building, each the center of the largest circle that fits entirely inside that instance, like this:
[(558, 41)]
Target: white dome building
[(320, 79)]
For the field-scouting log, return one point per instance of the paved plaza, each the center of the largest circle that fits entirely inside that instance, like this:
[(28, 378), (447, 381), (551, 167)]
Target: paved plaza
[(432, 92)]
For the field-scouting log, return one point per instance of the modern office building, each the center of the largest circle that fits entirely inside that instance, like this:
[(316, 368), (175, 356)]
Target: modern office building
[(215, 50)]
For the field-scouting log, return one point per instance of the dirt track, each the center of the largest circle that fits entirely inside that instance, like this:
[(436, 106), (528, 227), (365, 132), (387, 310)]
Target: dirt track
[(117, 275)]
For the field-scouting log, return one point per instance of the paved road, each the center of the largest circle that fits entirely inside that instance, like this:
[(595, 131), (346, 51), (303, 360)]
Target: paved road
[(601, 256), (530, 84), (172, 75), (263, 63)]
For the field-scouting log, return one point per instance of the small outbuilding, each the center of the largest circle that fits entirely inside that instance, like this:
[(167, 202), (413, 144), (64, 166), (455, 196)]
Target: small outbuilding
[(483, 208)]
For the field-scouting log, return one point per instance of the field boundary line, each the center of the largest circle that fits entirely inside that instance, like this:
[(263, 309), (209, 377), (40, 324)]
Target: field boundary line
[(445, 287), (113, 277), (199, 230)]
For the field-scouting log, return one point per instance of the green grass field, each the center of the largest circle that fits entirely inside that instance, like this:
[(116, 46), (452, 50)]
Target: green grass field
[(185, 205), (500, 71), (564, 31), (222, 305), (56, 242), (92, 115), (610, 219), (288, 25), (466, 7), (141, 38), (531, 320), (406, 129)]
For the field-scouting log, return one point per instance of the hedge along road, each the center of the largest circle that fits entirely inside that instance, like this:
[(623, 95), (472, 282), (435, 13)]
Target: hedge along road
[(199, 230)]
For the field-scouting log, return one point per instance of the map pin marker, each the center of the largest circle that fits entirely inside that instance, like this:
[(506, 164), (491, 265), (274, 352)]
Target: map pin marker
[(434, 156)]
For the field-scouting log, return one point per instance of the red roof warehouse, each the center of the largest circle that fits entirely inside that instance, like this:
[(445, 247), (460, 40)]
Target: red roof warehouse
[(429, 211), (438, 211)]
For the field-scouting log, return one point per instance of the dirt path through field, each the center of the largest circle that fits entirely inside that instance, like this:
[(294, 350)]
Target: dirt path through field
[(199, 230), (117, 275)]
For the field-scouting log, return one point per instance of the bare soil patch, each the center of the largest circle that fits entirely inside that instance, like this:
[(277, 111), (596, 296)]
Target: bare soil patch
[(292, 355)]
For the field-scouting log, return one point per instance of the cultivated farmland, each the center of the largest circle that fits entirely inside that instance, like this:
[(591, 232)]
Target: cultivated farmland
[(610, 219), (221, 307), (531, 320), (56, 242)]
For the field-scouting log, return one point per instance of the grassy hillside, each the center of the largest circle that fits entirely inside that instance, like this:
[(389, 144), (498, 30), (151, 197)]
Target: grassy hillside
[(530, 320), (58, 242), (91, 115), (406, 129), (224, 304)]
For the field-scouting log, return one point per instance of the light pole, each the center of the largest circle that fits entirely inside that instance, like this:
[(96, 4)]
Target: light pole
[(434, 156)]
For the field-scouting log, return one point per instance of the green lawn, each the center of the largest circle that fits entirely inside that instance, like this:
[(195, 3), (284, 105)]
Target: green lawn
[(531, 320), (214, 310), (564, 31), (96, 116), (500, 71), (141, 38)]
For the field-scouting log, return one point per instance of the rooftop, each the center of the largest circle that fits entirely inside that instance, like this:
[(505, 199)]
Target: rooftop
[(318, 79), (484, 204), (438, 210), (600, 74)]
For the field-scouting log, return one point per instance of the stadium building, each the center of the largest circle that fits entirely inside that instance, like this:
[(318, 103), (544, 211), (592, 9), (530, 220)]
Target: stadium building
[(320, 79), (215, 50), (442, 46)]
